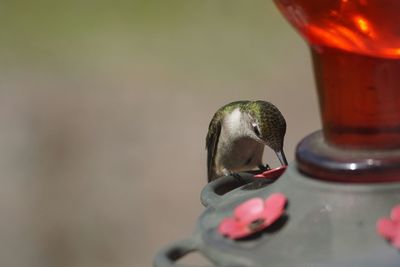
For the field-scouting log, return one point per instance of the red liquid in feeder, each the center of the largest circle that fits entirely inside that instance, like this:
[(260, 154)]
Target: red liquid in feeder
[(356, 53)]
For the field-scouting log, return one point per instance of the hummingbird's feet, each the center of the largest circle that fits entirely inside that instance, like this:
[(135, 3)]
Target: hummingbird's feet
[(272, 174), (264, 168), (237, 177)]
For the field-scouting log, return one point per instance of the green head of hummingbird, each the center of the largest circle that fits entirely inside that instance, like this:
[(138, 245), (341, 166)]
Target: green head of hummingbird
[(238, 133)]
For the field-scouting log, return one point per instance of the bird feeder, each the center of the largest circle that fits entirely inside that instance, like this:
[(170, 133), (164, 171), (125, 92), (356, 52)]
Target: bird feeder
[(338, 203)]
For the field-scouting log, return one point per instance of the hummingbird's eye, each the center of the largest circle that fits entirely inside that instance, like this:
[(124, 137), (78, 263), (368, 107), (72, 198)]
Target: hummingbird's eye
[(256, 130)]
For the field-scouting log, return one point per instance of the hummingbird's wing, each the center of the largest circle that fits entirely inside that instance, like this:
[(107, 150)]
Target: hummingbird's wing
[(214, 130)]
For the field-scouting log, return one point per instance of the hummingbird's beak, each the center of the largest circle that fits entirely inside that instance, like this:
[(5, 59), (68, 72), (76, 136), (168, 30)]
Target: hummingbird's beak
[(281, 157)]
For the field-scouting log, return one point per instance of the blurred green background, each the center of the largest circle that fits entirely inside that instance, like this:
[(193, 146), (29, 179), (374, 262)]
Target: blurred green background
[(104, 108)]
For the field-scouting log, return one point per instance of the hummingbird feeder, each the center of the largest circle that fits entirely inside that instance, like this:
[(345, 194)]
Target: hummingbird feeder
[(338, 203)]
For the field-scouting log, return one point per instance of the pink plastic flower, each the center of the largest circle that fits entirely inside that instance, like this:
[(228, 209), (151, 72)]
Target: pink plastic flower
[(389, 228), (253, 216), (272, 174)]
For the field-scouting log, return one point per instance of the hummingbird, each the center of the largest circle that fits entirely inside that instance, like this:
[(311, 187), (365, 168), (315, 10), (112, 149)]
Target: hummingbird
[(237, 135)]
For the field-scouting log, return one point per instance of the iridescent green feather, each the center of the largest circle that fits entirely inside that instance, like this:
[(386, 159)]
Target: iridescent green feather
[(271, 122), (214, 130)]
